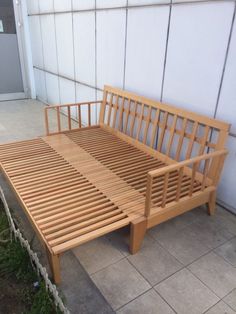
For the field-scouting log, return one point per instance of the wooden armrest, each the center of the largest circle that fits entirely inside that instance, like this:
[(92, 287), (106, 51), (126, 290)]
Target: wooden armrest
[(184, 163), (77, 108), (213, 164)]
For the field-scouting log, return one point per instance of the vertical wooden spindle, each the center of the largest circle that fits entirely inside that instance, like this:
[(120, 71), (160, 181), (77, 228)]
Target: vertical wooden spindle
[(79, 116), (148, 199), (147, 125), (194, 170), (58, 119), (166, 180), (179, 183), (89, 114), (110, 109), (115, 112), (69, 117), (181, 138), (46, 120), (121, 114), (205, 172), (191, 140), (160, 140), (133, 119), (171, 137), (140, 122), (127, 116), (154, 128)]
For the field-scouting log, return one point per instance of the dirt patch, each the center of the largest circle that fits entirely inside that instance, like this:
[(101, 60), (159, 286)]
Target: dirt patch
[(11, 297)]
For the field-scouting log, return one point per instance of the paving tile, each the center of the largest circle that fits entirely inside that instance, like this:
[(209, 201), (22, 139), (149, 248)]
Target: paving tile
[(120, 283), (186, 294), (225, 219), (154, 262), (211, 235), (120, 240), (216, 273), (97, 254), (220, 308), (172, 226), (150, 302), (228, 251), (184, 245), (230, 299)]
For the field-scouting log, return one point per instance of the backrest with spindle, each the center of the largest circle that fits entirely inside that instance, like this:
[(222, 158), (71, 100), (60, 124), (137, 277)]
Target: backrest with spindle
[(174, 132)]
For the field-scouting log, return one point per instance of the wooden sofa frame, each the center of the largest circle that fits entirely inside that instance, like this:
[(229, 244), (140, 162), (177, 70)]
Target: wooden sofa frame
[(142, 164)]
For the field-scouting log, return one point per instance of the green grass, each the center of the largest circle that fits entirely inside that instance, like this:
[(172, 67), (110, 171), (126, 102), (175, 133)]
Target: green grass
[(15, 265)]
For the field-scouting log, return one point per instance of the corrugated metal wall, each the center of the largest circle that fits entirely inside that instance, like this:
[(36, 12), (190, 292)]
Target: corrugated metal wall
[(181, 52)]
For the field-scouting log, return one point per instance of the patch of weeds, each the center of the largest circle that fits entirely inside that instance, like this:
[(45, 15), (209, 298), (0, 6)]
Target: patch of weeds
[(42, 302), (14, 261), (16, 268)]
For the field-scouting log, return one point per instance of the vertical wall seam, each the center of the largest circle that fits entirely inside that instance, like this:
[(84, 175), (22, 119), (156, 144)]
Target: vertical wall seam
[(40, 26), (225, 61), (125, 48), (95, 55), (166, 50), (58, 79), (73, 48)]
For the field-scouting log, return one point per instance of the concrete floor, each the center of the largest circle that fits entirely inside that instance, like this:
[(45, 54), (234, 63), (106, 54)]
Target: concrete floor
[(186, 265)]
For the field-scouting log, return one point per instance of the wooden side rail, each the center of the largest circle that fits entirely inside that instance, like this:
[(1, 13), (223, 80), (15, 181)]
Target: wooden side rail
[(75, 116), (176, 173)]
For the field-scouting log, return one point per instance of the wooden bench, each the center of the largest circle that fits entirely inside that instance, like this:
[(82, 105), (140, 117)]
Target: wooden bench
[(144, 163)]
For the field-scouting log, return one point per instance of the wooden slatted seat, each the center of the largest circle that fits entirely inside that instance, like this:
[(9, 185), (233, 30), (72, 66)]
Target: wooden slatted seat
[(144, 163)]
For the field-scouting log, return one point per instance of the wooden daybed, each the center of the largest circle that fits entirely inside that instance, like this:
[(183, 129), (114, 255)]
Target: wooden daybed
[(81, 183)]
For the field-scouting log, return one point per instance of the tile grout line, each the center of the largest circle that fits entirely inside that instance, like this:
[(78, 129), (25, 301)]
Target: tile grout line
[(226, 302), (103, 268), (209, 308)]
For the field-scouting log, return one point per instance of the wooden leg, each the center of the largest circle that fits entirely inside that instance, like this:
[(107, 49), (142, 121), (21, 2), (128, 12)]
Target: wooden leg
[(211, 205), (55, 266), (137, 233)]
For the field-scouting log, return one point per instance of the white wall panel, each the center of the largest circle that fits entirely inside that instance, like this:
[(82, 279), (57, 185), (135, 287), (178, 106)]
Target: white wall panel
[(146, 42), (227, 102), (110, 47), (65, 44), (52, 89), (45, 6), (62, 5), (40, 85), (83, 5), (67, 91), (196, 51), (32, 6), (226, 190), (36, 42), (110, 3), (84, 45), (49, 42)]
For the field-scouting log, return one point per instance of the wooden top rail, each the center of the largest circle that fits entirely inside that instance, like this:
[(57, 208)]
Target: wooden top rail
[(73, 104), (169, 108), (173, 167)]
